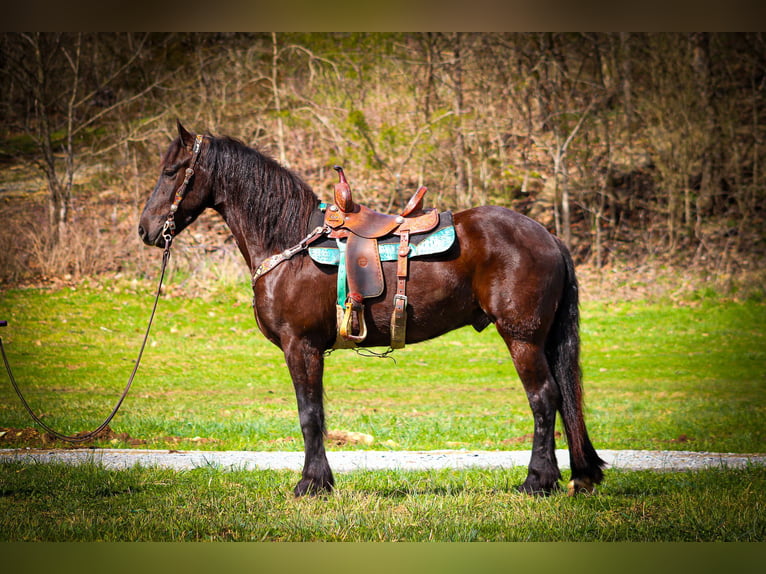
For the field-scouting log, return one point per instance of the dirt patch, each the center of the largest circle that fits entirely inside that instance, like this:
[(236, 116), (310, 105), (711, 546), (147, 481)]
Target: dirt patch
[(180, 439), (33, 438), (525, 438), (342, 437), (283, 440), (680, 440)]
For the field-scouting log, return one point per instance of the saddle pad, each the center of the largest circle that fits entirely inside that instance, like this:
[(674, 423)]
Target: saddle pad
[(437, 242), (328, 251)]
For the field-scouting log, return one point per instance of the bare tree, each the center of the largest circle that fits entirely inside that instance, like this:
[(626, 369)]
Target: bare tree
[(48, 72)]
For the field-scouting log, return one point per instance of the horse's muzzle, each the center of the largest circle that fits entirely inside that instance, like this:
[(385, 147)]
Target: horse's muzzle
[(158, 241)]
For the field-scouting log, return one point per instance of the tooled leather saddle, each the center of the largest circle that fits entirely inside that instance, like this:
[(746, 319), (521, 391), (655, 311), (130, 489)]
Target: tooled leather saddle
[(361, 229)]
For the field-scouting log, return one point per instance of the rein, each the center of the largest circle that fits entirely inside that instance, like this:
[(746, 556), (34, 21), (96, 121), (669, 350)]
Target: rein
[(168, 231), (102, 426)]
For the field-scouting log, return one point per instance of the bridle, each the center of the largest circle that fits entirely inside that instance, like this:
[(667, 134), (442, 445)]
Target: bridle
[(168, 232), (169, 228)]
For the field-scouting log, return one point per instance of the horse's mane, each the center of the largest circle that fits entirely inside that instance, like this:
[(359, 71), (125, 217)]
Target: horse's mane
[(270, 201)]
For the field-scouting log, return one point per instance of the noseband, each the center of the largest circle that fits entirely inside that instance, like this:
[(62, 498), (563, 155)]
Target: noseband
[(169, 228)]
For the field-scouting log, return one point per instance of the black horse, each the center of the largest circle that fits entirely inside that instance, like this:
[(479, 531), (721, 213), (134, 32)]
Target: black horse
[(504, 268)]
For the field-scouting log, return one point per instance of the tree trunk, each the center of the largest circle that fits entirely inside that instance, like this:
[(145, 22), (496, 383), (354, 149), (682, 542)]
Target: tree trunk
[(459, 152), (58, 193), (709, 159), (277, 100), (566, 216)]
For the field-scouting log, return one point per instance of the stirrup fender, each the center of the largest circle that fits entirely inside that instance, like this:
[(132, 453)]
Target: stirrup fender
[(361, 228)]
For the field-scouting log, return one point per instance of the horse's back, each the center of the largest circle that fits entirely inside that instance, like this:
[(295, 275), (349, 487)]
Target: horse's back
[(502, 265), (492, 233)]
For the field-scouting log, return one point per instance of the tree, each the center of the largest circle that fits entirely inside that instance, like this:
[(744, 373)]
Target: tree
[(63, 86), (562, 112)]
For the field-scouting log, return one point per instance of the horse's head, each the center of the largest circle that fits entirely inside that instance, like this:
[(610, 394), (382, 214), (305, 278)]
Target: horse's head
[(173, 166)]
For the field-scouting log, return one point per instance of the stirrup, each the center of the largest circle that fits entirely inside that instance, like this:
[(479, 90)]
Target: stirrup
[(399, 322), (354, 307)]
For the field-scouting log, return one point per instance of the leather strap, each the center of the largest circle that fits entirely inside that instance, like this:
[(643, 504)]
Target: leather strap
[(399, 314), (85, 436)]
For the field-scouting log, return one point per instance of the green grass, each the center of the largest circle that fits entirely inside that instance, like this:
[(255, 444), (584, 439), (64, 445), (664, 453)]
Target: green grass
[(89, 503), (657, 376)]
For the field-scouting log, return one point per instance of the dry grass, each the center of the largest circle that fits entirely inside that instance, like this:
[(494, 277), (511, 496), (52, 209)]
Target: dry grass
[(101, 240)]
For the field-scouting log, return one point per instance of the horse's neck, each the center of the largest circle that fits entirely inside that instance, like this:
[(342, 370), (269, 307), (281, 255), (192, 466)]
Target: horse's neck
[(245, 233), (248, 244)]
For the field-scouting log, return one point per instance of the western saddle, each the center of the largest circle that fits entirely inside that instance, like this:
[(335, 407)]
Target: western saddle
[(361, 228)]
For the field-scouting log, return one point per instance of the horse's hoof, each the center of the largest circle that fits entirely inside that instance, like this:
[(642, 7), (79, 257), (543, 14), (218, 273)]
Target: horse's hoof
[(580, 486), (308, 487), (527, 488)]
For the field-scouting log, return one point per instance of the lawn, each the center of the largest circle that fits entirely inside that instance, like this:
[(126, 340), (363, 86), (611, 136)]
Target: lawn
[(688, 376), (683, 375), (88, 503)]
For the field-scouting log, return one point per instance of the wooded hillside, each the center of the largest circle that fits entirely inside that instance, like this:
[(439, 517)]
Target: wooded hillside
[(628, 146)]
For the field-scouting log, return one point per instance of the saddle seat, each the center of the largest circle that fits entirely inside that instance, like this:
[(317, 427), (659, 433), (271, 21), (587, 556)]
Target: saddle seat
[(347, 217), (361, 228)]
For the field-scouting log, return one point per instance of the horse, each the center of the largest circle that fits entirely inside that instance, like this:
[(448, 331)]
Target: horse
[(503, 269)]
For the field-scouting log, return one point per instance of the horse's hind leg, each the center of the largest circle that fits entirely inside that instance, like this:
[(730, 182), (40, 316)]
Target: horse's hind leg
[(306, 365), (544, 398)]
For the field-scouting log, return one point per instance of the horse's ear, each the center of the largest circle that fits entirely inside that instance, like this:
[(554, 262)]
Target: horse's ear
[(186, 138)]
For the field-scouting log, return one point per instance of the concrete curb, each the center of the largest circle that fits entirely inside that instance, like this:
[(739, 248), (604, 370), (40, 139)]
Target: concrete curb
[(346, 461)]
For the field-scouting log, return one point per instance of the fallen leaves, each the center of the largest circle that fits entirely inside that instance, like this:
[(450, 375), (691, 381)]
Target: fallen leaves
[(527, 438), (343, 437), (33, 438)]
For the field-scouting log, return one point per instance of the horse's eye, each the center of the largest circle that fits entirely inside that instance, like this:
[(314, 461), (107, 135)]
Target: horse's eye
[(170, 172)]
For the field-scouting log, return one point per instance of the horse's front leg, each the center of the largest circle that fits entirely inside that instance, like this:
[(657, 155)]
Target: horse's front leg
[(306, 365)]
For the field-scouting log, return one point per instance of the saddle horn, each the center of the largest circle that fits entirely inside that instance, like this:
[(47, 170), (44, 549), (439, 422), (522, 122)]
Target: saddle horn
[(343, 192)]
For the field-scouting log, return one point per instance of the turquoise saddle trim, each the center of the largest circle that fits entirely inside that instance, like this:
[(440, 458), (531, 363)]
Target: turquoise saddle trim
[(438, 242)]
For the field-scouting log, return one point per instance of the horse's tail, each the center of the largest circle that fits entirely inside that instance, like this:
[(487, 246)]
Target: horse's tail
[(563, 352)]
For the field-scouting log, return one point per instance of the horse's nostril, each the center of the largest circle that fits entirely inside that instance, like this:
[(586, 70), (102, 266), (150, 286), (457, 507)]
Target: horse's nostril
[(141, 232)]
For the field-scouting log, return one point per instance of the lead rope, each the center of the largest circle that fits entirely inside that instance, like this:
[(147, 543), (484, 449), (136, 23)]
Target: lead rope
[(168, 231), (102, 426)]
